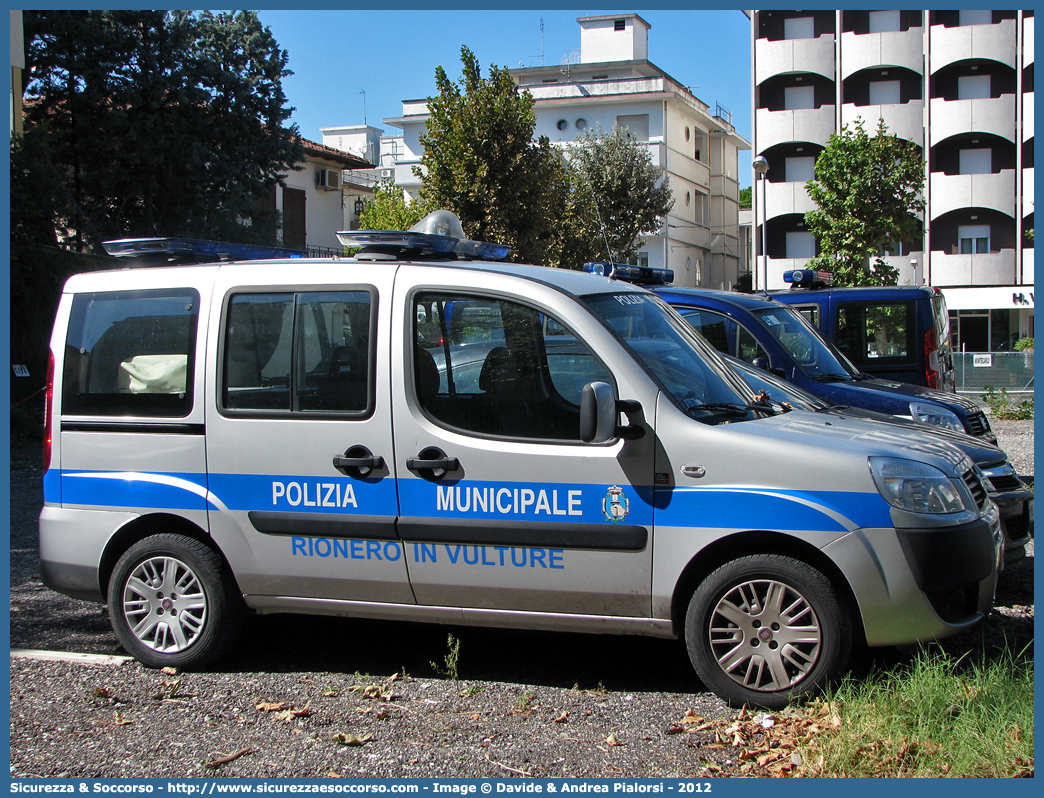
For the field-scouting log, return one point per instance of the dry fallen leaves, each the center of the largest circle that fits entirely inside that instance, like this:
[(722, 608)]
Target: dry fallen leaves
[(224, 760), (351, 739)]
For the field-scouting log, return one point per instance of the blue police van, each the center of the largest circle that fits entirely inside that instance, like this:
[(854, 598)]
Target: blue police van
[(898, 333), (777, 337)]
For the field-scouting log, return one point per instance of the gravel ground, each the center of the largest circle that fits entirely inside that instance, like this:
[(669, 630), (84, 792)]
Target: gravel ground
[(315, 697)]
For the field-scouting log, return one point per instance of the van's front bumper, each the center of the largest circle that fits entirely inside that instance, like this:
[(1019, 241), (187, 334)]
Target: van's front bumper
[(914, 585)]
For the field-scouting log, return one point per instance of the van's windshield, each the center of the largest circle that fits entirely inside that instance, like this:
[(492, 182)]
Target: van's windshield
[(813, 355), (688, 369)]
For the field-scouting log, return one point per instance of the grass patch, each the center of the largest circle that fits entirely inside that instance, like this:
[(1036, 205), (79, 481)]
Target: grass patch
[(936, 716)]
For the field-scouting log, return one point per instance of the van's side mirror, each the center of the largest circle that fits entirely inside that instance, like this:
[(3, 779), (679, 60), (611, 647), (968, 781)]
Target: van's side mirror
[(599, 410), (763, 364)]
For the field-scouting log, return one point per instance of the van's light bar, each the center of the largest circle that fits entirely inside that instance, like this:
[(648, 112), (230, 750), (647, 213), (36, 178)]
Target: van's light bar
[(438, 233), (639, 275), (425, 242), (195, 249), (808, 278)]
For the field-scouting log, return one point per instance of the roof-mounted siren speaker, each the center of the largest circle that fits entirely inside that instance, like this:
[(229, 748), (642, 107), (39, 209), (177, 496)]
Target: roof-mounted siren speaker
[(329, 179)]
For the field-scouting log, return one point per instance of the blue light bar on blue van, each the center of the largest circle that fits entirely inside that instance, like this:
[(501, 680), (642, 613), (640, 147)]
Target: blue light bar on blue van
[(808, 278), (639, 275), (195, 249)]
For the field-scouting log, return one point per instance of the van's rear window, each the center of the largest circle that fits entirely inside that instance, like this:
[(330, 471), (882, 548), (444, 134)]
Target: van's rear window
[(131, 353)]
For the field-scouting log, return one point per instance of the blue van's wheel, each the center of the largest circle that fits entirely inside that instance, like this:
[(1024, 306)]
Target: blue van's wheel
[(173, 603), (765, 630)]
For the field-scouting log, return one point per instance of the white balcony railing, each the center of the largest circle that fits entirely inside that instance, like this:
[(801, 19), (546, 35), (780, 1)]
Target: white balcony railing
[(994, 191), (1027, 116), (793, 55), (991, 42), (905, 120), (777, 127), (784, 198), (994, 115), (894, 48), (993, 268)]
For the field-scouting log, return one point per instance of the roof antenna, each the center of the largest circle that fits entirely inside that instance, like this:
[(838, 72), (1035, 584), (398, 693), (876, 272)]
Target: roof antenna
[(363, 93)]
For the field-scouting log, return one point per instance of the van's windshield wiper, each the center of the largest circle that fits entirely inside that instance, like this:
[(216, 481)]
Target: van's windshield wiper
[(831, 377), (733, 407)]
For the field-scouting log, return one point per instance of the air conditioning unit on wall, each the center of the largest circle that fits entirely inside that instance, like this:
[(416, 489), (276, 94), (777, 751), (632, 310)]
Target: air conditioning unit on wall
[(329, 179), (387, 174)]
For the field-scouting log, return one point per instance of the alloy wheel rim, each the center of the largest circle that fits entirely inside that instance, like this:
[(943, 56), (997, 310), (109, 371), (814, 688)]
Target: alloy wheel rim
[(165, 604), (765, 635)]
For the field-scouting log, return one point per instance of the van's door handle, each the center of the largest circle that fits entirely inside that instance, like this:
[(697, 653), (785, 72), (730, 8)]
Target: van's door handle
[(445, 464), (357, 461), (433, 460)]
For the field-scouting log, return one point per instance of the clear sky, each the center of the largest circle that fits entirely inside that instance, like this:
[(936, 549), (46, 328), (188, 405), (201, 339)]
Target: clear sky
[(392, 55)]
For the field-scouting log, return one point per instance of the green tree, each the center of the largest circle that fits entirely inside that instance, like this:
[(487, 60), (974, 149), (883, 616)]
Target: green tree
[(868, 192), (480, 161), (745, 198), (160, 123), (388, 210), (618, 194)]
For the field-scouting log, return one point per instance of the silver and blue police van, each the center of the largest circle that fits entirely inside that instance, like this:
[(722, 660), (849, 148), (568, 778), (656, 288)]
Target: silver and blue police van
[(421, 432)]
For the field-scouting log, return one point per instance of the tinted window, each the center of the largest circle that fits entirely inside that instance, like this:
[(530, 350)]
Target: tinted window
[(724, 334), (870, 333), (687, 368), (304, 352), (498, 367), (131, 353)]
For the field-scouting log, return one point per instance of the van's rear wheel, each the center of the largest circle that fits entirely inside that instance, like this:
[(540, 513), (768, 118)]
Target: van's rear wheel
[(173, 603), (765, 630)]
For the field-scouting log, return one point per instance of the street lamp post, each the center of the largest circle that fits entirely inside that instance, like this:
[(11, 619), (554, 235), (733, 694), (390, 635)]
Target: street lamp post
[(761, 166)]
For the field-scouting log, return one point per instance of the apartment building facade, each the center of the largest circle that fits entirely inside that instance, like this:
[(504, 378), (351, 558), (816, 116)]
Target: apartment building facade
[(611, 81), (959, 84)]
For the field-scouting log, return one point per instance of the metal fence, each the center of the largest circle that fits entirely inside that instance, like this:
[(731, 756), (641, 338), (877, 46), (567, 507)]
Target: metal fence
[(977, 371)]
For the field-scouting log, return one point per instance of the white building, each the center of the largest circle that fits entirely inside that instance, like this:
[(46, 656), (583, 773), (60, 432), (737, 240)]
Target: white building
[(959, 84), (313, 203), (612, 81)]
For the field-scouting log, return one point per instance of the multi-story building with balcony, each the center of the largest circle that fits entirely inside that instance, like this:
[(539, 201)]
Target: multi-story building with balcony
[(959, 85), (611, 81)]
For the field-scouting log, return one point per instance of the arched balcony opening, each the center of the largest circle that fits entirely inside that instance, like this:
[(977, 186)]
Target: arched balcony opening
[(792, 92), (860, 22), (973, 79), (958, 19), (972, 231), (886, 85), (792, 161), (781, 25), (973, 153)]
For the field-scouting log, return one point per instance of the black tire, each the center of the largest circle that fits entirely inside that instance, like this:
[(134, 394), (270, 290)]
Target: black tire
[(733, 636), (172, 577)]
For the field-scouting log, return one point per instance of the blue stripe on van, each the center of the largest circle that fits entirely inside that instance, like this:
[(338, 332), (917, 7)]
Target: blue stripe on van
[(712, 507), (305, 494), (753, 508), (134, 489)]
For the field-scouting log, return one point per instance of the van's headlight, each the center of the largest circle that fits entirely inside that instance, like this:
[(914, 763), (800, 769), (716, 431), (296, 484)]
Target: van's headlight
[(914, 486), (936, 415)]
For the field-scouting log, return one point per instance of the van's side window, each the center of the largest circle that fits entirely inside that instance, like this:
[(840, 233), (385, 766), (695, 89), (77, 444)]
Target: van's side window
[(131, 353), (869, 332), (298, 352), (499, 368), (724, 334)]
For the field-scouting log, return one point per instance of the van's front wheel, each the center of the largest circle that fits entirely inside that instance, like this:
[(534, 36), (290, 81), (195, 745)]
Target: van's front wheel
[(172, 602), (766, 629)]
